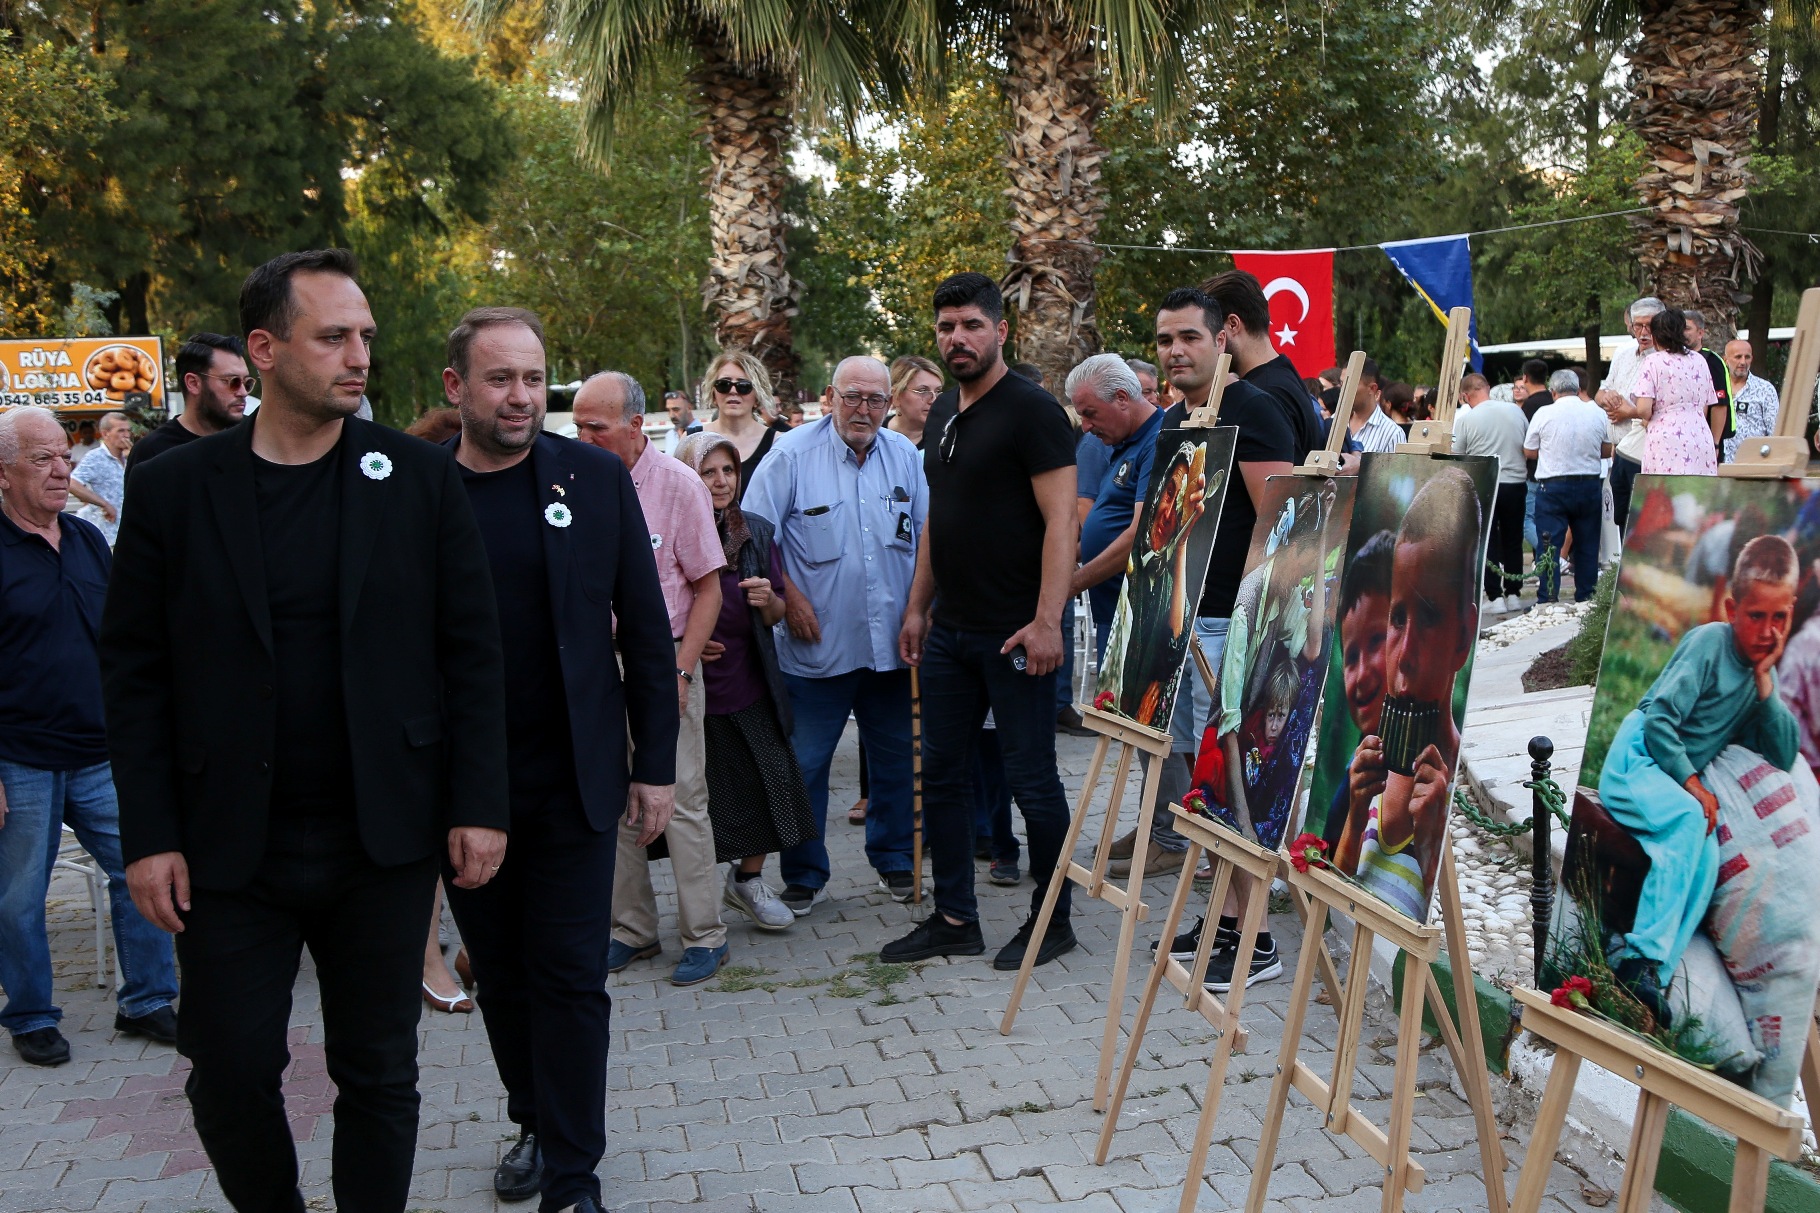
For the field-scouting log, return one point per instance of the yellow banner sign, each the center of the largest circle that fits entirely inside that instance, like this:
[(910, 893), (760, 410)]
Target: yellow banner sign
[(82, 373)]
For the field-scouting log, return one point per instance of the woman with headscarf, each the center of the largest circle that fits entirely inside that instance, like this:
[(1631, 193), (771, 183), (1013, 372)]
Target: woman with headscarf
[(739, 388), (756, 798)]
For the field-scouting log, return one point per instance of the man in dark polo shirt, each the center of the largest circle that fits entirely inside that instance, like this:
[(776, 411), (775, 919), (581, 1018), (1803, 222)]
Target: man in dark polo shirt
[(1274, 435), (53, 749), (1247, 327), (212, 370), (994, 564)]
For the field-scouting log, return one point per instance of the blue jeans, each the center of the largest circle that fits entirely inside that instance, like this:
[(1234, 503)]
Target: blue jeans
[(1529, 518), (1064, 676), (963, 674), (881, 703), (992, 800), (38, 803), (1563, 504)]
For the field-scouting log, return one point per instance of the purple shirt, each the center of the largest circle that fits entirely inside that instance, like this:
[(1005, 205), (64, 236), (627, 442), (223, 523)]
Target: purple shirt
[(737, 680)]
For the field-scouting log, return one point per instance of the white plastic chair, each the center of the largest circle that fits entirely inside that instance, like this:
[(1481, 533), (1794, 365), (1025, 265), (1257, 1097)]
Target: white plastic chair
[(1086, 669), (71, 858)]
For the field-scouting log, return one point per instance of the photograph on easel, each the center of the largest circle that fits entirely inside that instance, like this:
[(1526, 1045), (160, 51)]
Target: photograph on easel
[(1693, 863), (1148, 643), (1248, 771), (1407, 620)]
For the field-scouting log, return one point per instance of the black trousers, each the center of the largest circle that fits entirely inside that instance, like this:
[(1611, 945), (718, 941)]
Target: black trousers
[(537, 937), (239, 952), (1506, 547)]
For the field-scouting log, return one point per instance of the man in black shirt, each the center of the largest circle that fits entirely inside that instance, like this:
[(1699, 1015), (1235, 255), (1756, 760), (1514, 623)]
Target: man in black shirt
[(1247, 327), (995, 561), (212, 369), (567, 543), (1275, 434), (289, 775)]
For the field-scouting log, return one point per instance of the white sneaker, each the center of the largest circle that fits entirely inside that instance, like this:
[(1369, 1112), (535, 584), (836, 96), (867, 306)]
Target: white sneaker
[(755, 899), (1495, 606), (1514, 603)]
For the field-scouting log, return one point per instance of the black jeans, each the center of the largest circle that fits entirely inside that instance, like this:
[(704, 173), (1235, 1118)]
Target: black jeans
[(1506, 547), (239, 952), (1624, 473), (537, 936), (963, 674)]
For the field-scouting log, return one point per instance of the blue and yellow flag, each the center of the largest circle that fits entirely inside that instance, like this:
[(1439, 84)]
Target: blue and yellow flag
[(1440, 268)]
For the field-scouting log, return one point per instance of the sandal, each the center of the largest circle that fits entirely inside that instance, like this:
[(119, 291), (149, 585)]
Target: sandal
[(856, 816), (460, 1004)]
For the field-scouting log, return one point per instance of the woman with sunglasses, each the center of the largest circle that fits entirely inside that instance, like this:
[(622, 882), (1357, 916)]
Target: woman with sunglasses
[(739, 388), (915, 383)]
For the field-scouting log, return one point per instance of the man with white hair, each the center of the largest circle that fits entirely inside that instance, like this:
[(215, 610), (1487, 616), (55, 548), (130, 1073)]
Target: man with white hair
[(1146, 374), (1568, 439), (54, 768), (100, 483), (679, 514), (1628, 437), (848, 500)]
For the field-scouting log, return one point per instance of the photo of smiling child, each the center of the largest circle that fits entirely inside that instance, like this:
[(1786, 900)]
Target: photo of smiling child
[(1416, 549)]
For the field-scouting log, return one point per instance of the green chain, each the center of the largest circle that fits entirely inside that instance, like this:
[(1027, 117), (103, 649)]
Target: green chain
[(1550, 793)]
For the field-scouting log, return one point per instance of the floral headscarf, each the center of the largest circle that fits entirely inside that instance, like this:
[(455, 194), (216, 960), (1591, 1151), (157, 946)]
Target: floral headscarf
[(734, 533)]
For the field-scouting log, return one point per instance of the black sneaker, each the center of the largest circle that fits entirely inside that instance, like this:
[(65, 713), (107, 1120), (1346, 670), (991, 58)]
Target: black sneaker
[(1059, 938), (1185, 945), (46, 1046), (898, 884), (159, 1025), (800, 898), (1266, 965), (935, 936)]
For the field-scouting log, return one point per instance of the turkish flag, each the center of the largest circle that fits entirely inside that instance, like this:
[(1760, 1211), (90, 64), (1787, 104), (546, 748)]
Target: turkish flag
[(1299, 287)]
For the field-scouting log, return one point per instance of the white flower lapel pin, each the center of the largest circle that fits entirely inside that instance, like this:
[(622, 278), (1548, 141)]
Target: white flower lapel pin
[(557, 514), (375, 465)]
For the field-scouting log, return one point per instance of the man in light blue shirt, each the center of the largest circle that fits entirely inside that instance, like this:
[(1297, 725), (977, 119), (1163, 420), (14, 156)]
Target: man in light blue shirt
[(848, 500)]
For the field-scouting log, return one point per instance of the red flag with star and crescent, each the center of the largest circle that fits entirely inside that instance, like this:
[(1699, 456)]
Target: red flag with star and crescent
[(1299, 287)]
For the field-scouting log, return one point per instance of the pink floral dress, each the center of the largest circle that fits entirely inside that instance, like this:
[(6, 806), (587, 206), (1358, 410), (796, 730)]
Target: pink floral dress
[(1679, 438)]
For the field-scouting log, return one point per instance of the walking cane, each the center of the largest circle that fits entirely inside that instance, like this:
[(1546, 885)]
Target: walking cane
[(916, 796)]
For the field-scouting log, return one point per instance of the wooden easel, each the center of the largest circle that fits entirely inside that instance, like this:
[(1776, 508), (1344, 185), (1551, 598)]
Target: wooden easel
[(1232, 857), (1320, 893), (1663, 1080), (1131, 738)]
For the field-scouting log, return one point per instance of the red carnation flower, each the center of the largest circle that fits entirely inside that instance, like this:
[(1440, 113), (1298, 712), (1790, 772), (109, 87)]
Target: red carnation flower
[(1307, 849), (1104, 701), (1195, 803), (1573, 994)]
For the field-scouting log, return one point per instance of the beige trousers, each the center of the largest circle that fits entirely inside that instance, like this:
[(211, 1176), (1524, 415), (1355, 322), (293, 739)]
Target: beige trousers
[(691, 839)]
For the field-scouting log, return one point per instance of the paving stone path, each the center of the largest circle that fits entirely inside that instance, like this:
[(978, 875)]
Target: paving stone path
[(806, 1078)]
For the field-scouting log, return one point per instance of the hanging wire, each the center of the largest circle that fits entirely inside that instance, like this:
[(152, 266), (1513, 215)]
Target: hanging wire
[(1358, 248)]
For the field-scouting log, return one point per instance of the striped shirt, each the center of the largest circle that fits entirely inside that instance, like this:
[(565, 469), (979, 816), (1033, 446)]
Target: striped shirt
[(1394, 877)]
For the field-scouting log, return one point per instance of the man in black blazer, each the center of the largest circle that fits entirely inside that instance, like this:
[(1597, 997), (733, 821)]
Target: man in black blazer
[(570, 553), (290, 773)]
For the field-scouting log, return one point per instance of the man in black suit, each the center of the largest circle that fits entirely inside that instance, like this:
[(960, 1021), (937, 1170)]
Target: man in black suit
[(289, 775), (568, 544)]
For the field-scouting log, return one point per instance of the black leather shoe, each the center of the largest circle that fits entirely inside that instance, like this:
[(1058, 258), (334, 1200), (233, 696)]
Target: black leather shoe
[(520, 1172), (43, 1047), (586, 1204), (159, 1025)]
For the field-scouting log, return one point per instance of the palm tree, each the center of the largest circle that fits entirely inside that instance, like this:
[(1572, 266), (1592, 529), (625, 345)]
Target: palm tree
[(1694, 97), (1060, 56), (757, 67)]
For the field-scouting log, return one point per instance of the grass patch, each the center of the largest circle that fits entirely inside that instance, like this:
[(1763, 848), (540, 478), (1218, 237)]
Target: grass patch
[(871, 977), (1028, 1106), (737, 979)]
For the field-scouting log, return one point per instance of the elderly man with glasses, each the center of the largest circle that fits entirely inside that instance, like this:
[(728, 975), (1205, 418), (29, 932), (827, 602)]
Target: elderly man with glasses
[(848, 501)]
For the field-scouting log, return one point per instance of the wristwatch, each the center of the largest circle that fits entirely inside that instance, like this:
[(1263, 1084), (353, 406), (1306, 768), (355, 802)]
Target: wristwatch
[(684, 674)]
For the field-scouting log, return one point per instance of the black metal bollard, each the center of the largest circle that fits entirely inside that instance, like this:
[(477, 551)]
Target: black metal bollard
[(1542, 883)]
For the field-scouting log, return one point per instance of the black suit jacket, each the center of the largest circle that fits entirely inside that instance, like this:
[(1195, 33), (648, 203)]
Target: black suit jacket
[(188, 670), (603, 579)]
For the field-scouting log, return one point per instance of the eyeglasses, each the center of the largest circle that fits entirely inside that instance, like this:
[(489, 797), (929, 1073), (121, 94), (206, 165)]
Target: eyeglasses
[(733, 387), (235, 382), (872, 400), (925, 392), (948, 434)]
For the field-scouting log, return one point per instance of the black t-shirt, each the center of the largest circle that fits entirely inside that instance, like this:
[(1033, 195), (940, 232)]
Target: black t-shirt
[(1532, 403), (986, 530), (1267, 434), (167, 436), (1279, 378), (539, 749), (300, 540)]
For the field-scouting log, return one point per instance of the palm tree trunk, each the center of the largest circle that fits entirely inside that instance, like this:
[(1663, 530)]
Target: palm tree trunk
[(746, 123), (1694, 85), (1052, 84)]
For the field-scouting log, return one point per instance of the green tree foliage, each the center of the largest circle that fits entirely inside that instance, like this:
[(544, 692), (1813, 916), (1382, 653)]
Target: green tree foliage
[(52, 103), (611, 258)]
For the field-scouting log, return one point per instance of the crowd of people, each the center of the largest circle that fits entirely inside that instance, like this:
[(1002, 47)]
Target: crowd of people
[(292, 677)]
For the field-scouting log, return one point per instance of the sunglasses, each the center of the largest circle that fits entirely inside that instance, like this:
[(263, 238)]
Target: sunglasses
[(733, 387)]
